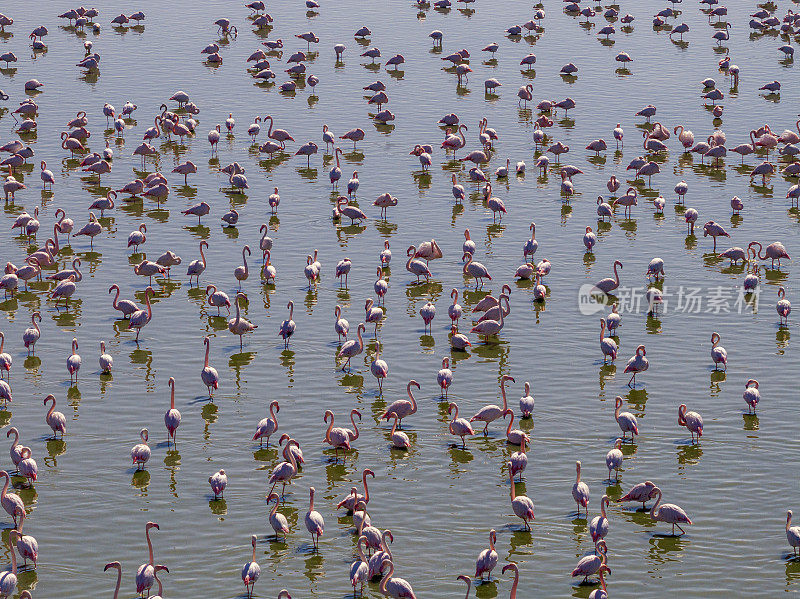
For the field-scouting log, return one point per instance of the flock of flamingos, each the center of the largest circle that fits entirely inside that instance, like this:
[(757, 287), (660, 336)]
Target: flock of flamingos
[(373, 560)]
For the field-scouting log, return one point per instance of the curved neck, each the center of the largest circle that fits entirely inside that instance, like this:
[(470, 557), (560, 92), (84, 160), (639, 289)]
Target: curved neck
[(653, 512), (386, 578), (208, 350), (510, 424)]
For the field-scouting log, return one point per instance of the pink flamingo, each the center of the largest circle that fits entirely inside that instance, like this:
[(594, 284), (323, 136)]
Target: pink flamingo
[(638, 363), (266, 427), (218, 482), (598, 527), (626, 421), (718, 353), (379, 368), (238, 325), (288, 326), (492, 412), (580, 491), (445, 376), (669, 513), (400, 440), (521, 504), (774, 251), (315, 524), (608, 284), (140, 453), (278, 521), (285, 471), (514, 568), (590, 564), (145, 575), (640, 492), (607, 345), (751, 394), (118, 567), (398, 588), (28, 467), (217, 298), (140, 318), (340, 325), (614, 458), (352, 347), (55, 420), (209, 374), (601, 593), (487, 559), (12, 503), (73, 362), (519, 460), (359, 569), (459, 427), (172, 417), (349, 502), (251, 570), (691, 420), (337, 437)]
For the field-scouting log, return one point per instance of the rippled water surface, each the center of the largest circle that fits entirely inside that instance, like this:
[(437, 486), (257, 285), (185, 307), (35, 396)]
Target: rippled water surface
[(90, 507)]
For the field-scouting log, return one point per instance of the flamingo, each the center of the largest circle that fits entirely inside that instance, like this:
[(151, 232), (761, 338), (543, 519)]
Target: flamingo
[(614, 458), (718, 353), (379, 368), (521, 504), (692, 421), (140, 318), (12, 503), (315, 524), (5, 358), (251, 570), (487, 559), (145, 574), (476, 270), (28, 467), (751, 394), (197, 267), (608, 285), (792, 535), (627, 422), (591, 564), (217, 298), (459, 427), (416, 267), (359, 569), (398, 588), (55, 420), (218, 482), (774, 251), (288, 326), (669, 513), (74, 361), (638, 363), (241, 273), (607, 345), (492, 412), (489, 327), (598, 527), (32, 334), (238, 325), (337, 437), (140, 453), (284, 472), (278, 521), (266, 427), (601, 592), (352, 347), (580, 491), (445, 376)]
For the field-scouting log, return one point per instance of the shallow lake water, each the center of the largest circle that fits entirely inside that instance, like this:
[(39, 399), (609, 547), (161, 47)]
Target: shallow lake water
[(89, 506)]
